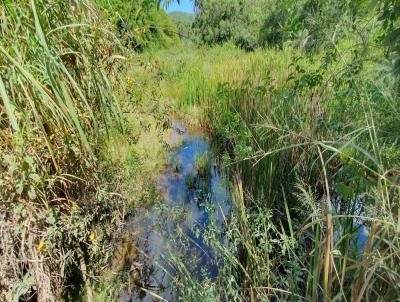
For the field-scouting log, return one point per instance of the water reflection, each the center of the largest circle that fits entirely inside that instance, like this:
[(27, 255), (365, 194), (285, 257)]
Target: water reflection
[(195, 198)]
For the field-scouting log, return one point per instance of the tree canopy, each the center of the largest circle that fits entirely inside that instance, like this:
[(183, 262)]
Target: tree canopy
[(220, 21), (141, 24)]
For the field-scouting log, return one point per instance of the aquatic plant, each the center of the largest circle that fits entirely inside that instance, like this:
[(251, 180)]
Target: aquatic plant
[(176, 165), (190, 181), (202, 166)]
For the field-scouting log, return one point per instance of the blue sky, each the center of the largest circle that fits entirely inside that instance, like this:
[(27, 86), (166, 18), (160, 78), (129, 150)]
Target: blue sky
[(184, 6)]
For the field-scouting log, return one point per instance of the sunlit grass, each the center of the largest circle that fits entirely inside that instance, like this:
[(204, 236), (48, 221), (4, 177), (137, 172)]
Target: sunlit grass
[(297, 181)]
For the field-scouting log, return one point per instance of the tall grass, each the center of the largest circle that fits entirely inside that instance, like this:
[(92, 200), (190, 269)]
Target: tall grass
[(314, 147), (56, 102)]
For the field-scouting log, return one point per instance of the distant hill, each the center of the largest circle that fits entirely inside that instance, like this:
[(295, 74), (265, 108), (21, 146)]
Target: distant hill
[(182, 18)]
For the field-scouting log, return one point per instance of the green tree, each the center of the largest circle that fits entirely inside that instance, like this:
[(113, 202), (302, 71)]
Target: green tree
[(309, 23), (141, 23), (219, 21)]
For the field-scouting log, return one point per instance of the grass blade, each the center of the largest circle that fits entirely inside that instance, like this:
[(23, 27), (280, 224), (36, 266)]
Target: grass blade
[(10, 108)]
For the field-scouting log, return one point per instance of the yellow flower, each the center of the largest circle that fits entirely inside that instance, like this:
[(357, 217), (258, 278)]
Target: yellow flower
[(75, 208), (41, 246), (129, 80), (91, 237), (94, 27)]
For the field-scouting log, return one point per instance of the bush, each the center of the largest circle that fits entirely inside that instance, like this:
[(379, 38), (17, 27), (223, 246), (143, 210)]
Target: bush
[(141, 24), (237, 20)]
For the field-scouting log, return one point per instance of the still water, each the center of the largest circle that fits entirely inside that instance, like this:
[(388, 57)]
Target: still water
[(173, 235)]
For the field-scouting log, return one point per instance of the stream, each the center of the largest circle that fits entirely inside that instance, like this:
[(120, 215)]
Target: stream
[(175, 236), (172, 235)]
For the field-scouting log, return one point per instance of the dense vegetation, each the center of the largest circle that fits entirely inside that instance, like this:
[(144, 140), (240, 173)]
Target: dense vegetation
[(56, 103), (69, 144), (183, 22), (300, 97), (236, 20), (310, 129), (140, 24)]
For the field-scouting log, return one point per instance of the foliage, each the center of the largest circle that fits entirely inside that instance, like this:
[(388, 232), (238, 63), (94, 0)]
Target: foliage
[(308, 129), (312, 142), (183, 22), (286, 161), (141, 24), (390, 15), (202, 165), (309, 24), (238, 20), (56, 103)]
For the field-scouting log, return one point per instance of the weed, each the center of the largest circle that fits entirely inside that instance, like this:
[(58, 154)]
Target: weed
[(202, 165), (176, 165), (190, 181), (293, 236)]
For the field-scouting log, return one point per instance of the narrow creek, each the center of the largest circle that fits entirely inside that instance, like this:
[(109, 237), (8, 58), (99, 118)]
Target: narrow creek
[(172, 235)]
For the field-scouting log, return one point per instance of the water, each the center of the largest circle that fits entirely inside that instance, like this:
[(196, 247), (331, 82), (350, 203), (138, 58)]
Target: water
[(360, 232), (175, 230)]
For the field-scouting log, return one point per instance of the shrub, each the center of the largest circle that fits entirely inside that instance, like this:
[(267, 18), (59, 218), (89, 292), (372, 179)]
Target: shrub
[(238, 20)]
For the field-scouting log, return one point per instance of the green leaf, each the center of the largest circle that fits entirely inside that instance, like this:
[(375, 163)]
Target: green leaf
[(22, 287), (344, 191), (19, 188), (51, 219), (32, 194), (10, 108), (35, 177), (39, 30), (74, 116), (29, 160)]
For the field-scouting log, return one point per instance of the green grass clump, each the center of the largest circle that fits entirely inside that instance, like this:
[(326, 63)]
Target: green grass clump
[(56, 104), (176, 165), (190, 181), (202, 165)]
